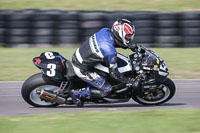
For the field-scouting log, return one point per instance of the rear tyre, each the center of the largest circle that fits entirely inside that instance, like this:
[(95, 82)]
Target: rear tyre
[(166, 93), (38, 81)]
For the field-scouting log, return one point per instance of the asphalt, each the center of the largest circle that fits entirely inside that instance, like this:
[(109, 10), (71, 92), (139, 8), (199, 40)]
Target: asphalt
[(11, 103)]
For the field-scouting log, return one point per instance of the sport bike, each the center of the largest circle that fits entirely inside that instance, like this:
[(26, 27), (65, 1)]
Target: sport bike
[(53, 86)]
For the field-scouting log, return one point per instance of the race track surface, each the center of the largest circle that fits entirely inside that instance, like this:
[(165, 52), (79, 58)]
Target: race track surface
[(11, 103)]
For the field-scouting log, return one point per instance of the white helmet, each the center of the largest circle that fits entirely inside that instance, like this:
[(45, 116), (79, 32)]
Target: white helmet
[(124, 31)]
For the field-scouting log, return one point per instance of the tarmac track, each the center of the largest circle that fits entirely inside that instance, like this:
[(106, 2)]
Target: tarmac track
[(11, 103)]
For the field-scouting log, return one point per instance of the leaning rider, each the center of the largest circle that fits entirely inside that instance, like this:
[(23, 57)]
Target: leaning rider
[(100, 47)]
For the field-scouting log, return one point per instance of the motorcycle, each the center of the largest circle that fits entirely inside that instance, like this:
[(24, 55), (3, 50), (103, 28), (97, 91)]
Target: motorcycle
[(53, 86)]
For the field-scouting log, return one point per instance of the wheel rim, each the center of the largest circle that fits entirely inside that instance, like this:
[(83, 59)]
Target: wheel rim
[(165, 94), (35, 98)]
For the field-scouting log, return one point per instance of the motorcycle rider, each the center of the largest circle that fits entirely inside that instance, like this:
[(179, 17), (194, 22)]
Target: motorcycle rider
[(100, 47)]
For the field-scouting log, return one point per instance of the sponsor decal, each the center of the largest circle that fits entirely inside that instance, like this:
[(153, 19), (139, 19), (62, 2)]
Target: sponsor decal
[(156, 66), (155, 69), (157, 61), (37, 61), (48, 96), (94, 43)]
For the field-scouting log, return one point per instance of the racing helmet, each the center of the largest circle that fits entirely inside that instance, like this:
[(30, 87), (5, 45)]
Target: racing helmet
[(123, 31)]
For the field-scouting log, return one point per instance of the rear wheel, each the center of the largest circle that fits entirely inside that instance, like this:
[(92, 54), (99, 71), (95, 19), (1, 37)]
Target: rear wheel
[(35, 82), (157, 96)]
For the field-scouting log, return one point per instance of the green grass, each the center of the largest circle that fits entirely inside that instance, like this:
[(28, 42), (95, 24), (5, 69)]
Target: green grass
[(173, 121), (155, 5), (16, 63)]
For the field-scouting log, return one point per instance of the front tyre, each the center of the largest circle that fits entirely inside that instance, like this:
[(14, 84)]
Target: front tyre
[(158, 96), (38, 81)]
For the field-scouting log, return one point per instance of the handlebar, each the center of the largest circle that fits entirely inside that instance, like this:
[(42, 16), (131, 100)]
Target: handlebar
[(137, 48)]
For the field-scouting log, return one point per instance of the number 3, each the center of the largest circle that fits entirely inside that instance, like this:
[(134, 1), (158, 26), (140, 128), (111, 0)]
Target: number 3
[(52, 71)]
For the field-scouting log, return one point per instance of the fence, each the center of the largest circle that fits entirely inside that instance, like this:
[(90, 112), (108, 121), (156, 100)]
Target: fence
[(59, 27)]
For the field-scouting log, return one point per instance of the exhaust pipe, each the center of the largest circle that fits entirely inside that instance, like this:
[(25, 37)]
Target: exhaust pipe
[(51, 97)]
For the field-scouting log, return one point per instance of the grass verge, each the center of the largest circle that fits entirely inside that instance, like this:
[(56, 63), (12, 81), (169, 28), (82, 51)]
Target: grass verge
[(155, 5), (171, 121), (16, 63)]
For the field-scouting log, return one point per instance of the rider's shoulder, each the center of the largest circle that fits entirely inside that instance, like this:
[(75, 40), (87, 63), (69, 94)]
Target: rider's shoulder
[(104, 36), (108, 49), (104, 32), (105, 42)]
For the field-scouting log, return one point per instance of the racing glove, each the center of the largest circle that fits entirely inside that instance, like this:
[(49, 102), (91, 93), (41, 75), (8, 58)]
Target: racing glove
[(133, 47), (133, 83), (130, 82)]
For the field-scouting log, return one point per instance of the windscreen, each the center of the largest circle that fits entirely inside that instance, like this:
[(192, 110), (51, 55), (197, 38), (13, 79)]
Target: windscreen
[(150, 59)]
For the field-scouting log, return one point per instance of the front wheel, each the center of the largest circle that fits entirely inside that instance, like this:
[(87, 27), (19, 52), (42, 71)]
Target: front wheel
[(157, 96), (38, 81)]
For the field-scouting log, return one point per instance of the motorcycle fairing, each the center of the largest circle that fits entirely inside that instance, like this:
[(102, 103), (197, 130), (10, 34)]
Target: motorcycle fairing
[(51, 64)]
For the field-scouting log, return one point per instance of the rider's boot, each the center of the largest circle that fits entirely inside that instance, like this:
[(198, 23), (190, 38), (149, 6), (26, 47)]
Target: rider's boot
[(80, 96)]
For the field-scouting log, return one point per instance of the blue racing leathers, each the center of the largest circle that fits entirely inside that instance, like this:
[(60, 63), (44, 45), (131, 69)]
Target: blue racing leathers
[(93, 51)]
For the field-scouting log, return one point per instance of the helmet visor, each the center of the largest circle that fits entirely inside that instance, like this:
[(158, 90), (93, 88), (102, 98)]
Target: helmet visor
[(129, 37)]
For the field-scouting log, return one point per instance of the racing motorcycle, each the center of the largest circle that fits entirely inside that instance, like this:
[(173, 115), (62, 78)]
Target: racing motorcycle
[(53, 86)]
